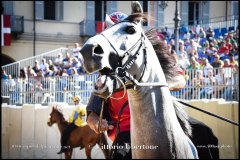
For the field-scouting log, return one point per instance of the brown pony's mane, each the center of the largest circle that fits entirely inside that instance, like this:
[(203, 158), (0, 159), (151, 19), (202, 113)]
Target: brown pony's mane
[(62, 119), (167, 59)]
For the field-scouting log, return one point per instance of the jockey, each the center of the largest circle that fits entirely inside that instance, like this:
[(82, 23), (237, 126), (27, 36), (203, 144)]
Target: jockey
[(75, 121), (77, 114)]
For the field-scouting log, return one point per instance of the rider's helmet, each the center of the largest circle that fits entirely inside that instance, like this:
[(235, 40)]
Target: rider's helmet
[(76, 98)]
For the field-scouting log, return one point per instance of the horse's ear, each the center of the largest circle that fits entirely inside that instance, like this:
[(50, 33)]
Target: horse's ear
[(136, 7), (108, 21)]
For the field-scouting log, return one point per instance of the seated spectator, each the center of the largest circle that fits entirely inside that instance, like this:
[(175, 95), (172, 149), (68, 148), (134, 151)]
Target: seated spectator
[(183, 62), (193, 63), (48, 72), (206, 67), (227, 64), (4, 75), (208, 83), (76, 63), (67, 57), (43, 65), (191, 47), (210, 33), (186, 35), (215, 44), (228, 44), (76, 50), (232, 60), (210, 52), (36, 67), (221, 82), (202, 33), (196, 83), (223, 51), (30, 72), (217, 63), (59, 60), (50, 64)]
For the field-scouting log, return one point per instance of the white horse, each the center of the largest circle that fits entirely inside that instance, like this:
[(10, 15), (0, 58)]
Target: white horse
[(123, 50)]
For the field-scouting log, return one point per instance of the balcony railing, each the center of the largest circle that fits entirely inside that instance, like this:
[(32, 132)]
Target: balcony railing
[(17, 25)]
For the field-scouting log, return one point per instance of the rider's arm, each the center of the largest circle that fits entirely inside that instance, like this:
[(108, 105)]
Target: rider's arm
[(93, 112)]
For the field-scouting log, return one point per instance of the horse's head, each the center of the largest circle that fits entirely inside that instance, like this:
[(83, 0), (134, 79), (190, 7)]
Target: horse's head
[(112, 48), (54, 116)]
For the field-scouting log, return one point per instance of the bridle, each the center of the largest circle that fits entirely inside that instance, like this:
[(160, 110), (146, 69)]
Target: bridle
[(121, 71)]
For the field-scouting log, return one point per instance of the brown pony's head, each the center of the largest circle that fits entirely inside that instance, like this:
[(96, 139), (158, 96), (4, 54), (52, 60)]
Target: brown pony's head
[(55, 116)]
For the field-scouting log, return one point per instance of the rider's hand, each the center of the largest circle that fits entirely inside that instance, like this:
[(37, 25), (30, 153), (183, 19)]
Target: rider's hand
[(104, 126)]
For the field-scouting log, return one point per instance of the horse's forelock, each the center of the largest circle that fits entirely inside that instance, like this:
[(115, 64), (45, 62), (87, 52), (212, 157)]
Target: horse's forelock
[(136, 17)]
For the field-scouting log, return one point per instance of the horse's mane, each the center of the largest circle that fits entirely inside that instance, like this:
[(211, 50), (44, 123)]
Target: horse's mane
[(167, 59), (62, 119)]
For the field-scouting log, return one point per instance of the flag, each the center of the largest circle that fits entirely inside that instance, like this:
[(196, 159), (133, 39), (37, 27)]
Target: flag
[(6, 30)]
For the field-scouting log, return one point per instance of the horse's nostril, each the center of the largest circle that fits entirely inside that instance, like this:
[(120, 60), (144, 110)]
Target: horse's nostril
[(98, 50)]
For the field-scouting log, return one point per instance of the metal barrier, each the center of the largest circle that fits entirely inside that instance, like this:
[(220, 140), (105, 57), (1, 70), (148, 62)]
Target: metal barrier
[(62, 89), (14, 68), (49, 89)]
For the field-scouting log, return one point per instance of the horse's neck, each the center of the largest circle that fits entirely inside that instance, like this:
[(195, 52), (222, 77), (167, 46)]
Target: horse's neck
[(61, 125), (152, 112)]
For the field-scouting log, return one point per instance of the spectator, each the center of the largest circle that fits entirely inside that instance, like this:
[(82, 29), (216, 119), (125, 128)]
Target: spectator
[(76, 50), (50, 64), (186, 35), (67, 57), (48, 72), (208, 83), (43, 65), (206, 67), (228, 44), (210, 33), (193, 63), (221, 82), (191, 47), (232, 60), (217, 63), (210, 52), (59, 60), (36, 67), (223, 51), (227, 64), (4, 75), (197, 82), (202, 33)]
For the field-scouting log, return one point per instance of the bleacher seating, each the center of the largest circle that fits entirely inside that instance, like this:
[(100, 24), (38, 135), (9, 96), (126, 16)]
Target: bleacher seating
[(217, 32), (224, 31), (231, 29)]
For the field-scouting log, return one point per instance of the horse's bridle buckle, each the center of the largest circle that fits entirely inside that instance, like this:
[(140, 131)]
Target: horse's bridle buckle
[(120, 72)]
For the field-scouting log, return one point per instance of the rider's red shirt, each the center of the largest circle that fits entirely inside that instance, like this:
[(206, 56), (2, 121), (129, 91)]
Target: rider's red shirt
[(114, 108)]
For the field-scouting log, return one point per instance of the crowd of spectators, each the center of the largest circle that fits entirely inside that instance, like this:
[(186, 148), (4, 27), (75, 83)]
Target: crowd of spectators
[(213, 58), (36, 78), (200, 50)]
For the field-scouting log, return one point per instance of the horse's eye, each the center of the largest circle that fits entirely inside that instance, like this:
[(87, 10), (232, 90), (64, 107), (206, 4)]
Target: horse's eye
[(131, 30)]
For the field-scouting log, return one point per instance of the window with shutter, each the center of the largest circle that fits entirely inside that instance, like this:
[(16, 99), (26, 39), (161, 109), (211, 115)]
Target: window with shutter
[(8, 7), (50, 10), (184, 12)]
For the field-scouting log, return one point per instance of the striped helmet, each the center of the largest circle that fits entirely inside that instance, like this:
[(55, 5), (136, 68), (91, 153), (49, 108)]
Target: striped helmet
[(76, 98), (117, 16)]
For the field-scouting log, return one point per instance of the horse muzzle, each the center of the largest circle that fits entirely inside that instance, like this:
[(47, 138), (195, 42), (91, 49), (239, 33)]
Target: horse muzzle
[(103, 87)]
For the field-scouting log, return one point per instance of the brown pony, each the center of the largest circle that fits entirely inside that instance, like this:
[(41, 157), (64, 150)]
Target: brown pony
[(83, 137)]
